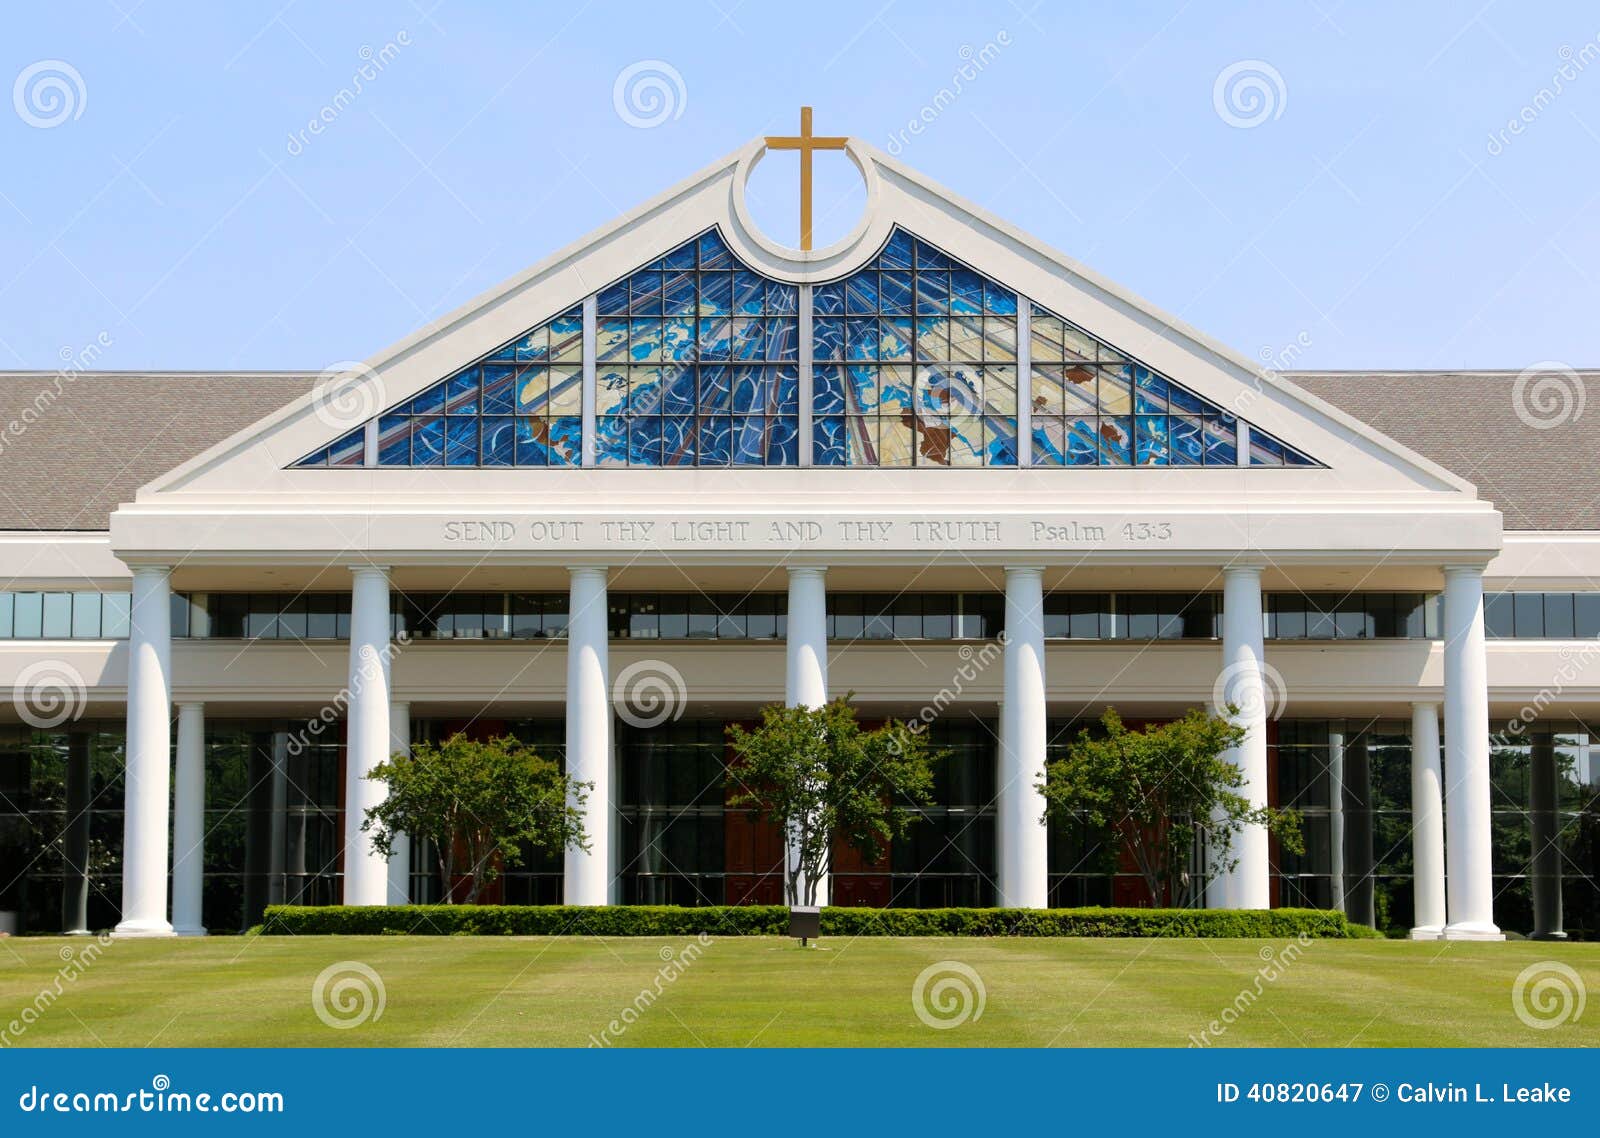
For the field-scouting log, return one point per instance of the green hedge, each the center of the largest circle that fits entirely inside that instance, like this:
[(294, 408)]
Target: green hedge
[(773, 920)]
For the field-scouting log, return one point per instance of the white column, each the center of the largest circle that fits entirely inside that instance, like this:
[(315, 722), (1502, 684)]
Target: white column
[(1336, 817), (1469, 884), (588, 872), (148, 781), (400, 858), (1427, 824), (1024, 850), (189, 821), (1247, 886), (366, 874), (806, 677)]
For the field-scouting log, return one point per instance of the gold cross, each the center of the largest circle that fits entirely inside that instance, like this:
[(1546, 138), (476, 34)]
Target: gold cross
[(805, 143)]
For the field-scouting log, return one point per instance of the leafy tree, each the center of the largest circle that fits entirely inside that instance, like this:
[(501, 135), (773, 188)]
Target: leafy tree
[(1154, 792), (820, 776), (481, 804)]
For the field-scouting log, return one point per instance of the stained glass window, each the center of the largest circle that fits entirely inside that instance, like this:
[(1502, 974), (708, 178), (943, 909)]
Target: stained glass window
[(1094, 406), (521, 405), (915, 364), (697, 364)]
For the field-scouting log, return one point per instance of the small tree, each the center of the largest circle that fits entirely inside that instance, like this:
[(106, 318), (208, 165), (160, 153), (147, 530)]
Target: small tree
[(819, 776), (481, 804), (1152, 792)]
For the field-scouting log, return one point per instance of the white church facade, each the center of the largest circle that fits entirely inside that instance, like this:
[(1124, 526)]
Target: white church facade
[(676, 472)]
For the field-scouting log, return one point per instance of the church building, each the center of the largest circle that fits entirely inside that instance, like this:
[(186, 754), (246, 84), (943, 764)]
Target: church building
[(677, 472)]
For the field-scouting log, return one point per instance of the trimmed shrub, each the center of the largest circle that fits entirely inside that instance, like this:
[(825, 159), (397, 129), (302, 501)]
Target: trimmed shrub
[(773, 920)]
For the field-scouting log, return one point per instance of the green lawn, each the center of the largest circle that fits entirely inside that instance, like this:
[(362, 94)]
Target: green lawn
[(493, 991)]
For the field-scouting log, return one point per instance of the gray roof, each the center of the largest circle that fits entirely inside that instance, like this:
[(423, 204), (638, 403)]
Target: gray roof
[(74, 447), (90, 441)]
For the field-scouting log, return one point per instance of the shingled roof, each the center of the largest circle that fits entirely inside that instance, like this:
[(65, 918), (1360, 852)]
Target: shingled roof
[(97, 437)]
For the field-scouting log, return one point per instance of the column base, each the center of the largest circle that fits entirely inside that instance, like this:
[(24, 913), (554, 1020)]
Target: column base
[(1547, 936), (1473, 930), (132, 930), (188, 932), (76, 932), (1427, 932)]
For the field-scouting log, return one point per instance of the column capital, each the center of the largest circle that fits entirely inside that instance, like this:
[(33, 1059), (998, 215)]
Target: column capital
[(1425, 704), (1243, 569), (151, 570), (1020, 570), (180, 704), (1465, 569), (365, 570), (590, 572), (806, 570)]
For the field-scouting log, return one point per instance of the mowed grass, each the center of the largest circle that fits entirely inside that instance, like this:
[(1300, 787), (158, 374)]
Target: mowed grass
[(767, 992)]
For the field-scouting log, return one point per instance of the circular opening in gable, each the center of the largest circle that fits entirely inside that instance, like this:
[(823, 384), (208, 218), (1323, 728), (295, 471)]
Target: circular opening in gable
[(838, 197)]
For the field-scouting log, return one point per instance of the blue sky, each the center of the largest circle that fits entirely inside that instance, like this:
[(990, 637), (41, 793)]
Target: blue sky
[(1363, 215)]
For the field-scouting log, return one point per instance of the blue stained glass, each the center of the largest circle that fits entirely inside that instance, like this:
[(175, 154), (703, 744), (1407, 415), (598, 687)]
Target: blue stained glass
[(678, 394), (499, 435), (644, 291), (895, 290), (998, 300), (1293, 457), (431, 401), (827, 338), (531, 436), (1046, 449), (1187, 402), (1149, 392), (783, 441), (933, 293), (1116, 441), (394, 440), (534, 347), (783, 299), (499, 390), (930, 258), (680, 258), (677, 441), (1001, 450), (863, 389), (679, 341), (897, 253), (1265, 450), (966, 292), (749, 386), (716, 441), (716, 338), (318, 459), (1184, 439), (680, 298), (427, 442), (644, 340), (749, 339), (788, 401), (461, 448), (783, 339), (861, 294), (863, 336), (1082, 442), (715, 389), (748, 290), (1151, 440), (611, 338), (1221, 441), (613, 300), (749, 441), (827, 390), (716, 294), (827, 443), (461, 396), (566, 438), (828, 299), (896, 342), (350, 450), (713, 252), (569, 323)]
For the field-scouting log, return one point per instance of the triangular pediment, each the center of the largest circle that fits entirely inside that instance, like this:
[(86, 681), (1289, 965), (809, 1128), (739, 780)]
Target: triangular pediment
[(934, 335)]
